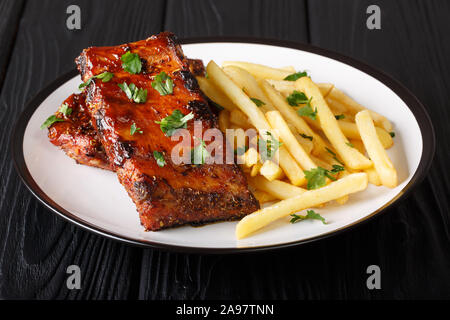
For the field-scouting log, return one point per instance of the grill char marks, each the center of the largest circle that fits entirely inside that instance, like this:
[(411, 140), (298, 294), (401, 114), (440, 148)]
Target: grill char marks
[(174, 194)]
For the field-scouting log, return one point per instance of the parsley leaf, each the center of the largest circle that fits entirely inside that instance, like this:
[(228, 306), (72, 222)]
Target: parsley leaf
[(134, 93), (337, 168), (175, 121), (131, 62), (310, 214), (339, 116), (295, 76), (350, 144), (268, 147), (392, 134), (134, 129), (316, 176), (199, 153), (258, 102), (306, 136), (65, 110), (296, 98), (104, 76), (159, 157), (163, 84), (50, 120), (307, 111)]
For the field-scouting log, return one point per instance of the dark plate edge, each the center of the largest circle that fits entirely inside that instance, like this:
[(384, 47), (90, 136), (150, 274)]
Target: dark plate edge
[(422, 117)]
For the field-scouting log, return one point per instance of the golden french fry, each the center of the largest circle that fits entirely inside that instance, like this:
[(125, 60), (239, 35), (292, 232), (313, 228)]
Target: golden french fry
[(355, 107), (306, 144), (336, 106), (239, 118), (322, 163), (251, 157), (336, 189), (300, 155), (375, 150), (270, 170), (259, 70), (243, 79), (215, 94), (255, 169), (290, 69), (373, 176), (350, 130), (263, 197), (277, 188), (351, 157), (256, 117), (289, 113), (287, 87), (224, 120), (358, 145)]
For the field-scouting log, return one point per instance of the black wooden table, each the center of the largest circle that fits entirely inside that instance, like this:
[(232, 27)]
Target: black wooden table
[(410, 243)]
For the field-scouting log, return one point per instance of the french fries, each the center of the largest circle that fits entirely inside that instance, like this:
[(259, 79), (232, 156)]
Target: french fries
[(256, 117), (355, 107), (289, 113), (350, 184), (336, 139), (351, 157), (214, 94), (277, 188), (300, 155), (259, 70), (375, 150)]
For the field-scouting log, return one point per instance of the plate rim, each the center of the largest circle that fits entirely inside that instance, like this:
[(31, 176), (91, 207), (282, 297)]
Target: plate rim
[(411, 101)]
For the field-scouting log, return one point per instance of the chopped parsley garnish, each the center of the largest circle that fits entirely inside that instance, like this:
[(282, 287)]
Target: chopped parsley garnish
[(268, 147), (310, 214), (199, 153), (392, 134), (50, 120), (134, 129), (295, 76), (334, 155), (163, 84), (306, 136), (134, 93), (159, 157), (175, 121), (350, 144), (307, 111), (339, 116), (296, 98), (337, 168), (258, 102), (65, 110), (131, 62), (104, 76), (316, 176)]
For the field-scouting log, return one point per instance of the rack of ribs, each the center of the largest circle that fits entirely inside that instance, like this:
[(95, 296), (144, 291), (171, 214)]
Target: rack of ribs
[(167, 196)]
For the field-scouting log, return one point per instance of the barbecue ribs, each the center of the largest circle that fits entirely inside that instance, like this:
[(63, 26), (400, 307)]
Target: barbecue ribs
[(164, 196)]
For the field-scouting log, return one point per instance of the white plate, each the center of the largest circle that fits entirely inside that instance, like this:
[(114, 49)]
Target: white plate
[(94, 199)]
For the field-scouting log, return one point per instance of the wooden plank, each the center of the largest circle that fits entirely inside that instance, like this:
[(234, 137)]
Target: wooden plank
[(36, 245), (11, 11), (410, 243)]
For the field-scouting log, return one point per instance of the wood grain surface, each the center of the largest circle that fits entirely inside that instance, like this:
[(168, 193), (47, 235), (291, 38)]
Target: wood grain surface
[(410, 243)]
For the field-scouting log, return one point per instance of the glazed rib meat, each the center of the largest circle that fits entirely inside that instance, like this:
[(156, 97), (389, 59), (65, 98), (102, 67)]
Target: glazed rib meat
[(76, 135), (174, 194)]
